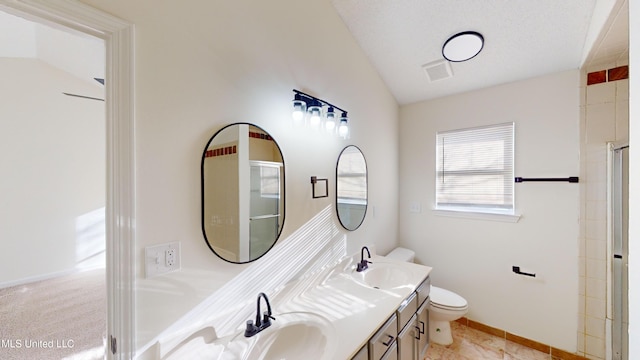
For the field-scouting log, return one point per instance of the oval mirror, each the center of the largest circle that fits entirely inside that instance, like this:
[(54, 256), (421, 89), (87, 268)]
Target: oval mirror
[(242, 192), (351, 187)]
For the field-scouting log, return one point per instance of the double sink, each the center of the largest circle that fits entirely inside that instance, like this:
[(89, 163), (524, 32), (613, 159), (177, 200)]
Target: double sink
[(332, 317)]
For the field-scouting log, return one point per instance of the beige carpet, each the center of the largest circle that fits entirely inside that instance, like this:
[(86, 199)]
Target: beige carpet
[(61, 318)]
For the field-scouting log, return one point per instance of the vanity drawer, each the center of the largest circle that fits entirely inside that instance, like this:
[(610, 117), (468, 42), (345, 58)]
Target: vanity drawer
[(384, 338), (406, 310), (423, 290)]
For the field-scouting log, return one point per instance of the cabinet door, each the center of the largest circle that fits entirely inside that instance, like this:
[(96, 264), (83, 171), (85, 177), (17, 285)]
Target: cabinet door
[(384, 339), (363, 354), (392, 353), (407, 341), (422, 327)]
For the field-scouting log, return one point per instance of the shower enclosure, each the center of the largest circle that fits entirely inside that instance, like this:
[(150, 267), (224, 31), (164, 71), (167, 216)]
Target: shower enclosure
[(266, 206), (618, 221)]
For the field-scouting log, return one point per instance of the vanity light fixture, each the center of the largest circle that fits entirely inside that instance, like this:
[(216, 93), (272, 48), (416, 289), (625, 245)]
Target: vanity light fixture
[(463, 46), (309, 109)]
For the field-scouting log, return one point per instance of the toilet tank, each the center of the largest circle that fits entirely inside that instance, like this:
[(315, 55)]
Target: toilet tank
[(402, 254)]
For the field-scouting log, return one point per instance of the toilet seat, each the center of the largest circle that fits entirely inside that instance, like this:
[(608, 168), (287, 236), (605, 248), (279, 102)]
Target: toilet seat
[(446, 300)]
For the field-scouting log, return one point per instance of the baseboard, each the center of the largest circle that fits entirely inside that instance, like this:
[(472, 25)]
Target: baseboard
[(33, 279), (556, 354)]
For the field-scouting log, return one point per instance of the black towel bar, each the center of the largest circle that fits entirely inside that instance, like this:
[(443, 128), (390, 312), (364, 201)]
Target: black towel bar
[(516, 269), (571, 179)]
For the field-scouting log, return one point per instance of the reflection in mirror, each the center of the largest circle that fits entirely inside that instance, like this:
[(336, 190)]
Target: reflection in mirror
[(351, 187), (242, 192)]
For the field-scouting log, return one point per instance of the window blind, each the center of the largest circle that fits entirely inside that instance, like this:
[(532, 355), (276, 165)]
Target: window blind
[(474, 169)]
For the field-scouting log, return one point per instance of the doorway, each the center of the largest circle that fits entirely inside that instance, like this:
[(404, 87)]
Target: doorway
[(52, 131), (120, 182)]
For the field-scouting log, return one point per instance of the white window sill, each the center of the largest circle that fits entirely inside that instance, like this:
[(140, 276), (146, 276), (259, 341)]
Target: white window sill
[(477, 215)]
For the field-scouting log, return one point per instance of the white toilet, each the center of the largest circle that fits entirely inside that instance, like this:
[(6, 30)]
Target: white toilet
[(444, 305)]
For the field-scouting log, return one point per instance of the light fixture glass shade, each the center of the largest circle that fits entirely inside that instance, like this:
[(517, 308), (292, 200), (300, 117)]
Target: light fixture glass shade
[(330, 121), (315, 116), (343, 129), (299, 109), (463, 46)]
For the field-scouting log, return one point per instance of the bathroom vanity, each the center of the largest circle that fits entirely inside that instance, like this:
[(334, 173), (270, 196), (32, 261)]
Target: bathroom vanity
[(405, 335), (337, 313)]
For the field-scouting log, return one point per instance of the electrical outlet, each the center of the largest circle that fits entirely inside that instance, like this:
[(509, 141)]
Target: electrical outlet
[(170, 257), (161, 259)]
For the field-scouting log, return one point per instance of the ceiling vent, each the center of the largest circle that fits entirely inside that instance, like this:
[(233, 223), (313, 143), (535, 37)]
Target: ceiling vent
[(438, 70)]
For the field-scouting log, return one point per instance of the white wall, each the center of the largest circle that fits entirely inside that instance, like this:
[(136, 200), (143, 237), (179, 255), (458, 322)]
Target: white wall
[(203, 64), (52, 151), (474, 257), (634, 180)]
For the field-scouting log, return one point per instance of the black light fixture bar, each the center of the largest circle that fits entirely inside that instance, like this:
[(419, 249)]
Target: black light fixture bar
[(571, 179), (307, 98)]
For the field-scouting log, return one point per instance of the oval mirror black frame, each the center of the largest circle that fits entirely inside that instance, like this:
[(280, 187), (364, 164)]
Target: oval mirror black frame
[(240, 227), (352, 194)]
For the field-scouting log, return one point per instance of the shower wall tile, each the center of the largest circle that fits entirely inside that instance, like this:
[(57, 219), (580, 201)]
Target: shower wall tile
[(596, 269), (600, 122), (596, 289), (594, 170), (601, 93), (595, 152), (597, 190), (595, 308), (596, 249), (622, 90), (596, 230), (595, 327), (595, 347), (595, 210), (622, 120)]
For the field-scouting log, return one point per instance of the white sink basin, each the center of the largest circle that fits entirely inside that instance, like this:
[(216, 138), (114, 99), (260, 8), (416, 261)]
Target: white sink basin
[(383, 276), (296, 335)]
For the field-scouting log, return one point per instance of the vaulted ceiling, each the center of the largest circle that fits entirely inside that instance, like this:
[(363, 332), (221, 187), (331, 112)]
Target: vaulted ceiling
[(76, 53), (523, 39)]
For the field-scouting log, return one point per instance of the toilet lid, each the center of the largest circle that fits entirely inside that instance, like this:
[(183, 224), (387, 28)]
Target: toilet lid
[(446, 298)]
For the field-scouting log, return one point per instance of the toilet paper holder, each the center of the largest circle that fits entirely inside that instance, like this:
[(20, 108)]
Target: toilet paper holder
[(516, 269)]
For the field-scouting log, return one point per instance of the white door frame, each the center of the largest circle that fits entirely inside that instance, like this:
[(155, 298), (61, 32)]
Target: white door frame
[(120, 193)]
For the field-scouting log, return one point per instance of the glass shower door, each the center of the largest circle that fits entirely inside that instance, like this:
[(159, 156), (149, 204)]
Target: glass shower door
[(620, 338), (265, 219)]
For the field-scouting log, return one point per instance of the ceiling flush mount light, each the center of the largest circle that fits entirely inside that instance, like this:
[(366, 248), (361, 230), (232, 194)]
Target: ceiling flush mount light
[(463, 46), (308, 109)]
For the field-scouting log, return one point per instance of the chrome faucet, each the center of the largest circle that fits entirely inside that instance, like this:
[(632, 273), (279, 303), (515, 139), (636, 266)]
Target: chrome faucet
[(363, 264), (260, 324)]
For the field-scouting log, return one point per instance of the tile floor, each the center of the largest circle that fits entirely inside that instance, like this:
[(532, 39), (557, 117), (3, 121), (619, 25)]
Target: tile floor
[(472, 344)]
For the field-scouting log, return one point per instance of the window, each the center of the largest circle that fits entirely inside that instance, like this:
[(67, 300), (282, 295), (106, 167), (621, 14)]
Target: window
[(474, 169)]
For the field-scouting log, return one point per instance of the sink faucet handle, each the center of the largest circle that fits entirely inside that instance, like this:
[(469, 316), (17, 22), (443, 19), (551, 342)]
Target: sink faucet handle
[(266, 317), (266, 320), (251, 329)]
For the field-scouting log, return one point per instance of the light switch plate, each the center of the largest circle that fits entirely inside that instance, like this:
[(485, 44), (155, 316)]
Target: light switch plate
[(161, 259)]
